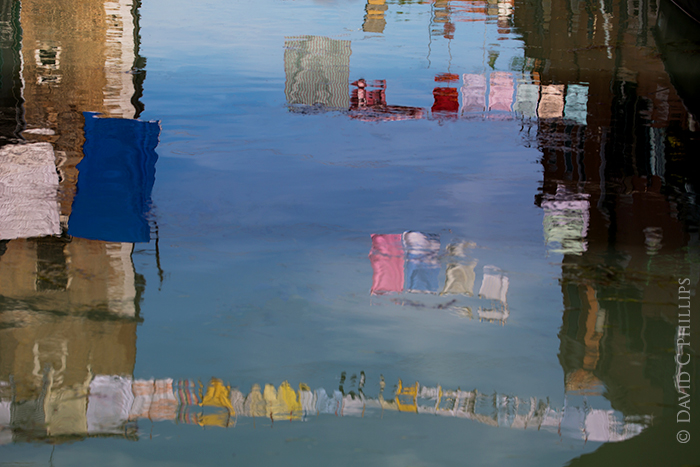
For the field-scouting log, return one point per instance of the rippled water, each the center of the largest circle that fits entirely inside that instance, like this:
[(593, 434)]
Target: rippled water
[(322, 232)]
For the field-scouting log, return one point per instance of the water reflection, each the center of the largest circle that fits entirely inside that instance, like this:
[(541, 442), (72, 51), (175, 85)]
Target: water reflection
[(113, 405), (411, 263), (69, 292), (616, 198)]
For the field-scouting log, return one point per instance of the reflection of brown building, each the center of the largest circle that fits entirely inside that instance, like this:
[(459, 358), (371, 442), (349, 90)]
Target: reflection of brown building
[(69, 305), (614, 194)]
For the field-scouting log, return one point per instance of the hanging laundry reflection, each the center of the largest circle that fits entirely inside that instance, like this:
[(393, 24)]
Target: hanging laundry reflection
[(422, 266), (387, 258), (114, 405), (494, 287), (407, 261), (411, 263), (115, 180)]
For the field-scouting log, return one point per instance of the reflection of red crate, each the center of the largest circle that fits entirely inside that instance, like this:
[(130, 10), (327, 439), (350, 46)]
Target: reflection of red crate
[(446, 100)]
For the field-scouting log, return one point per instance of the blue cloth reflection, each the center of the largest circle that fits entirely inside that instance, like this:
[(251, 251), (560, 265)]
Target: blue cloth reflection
[(116, 177)]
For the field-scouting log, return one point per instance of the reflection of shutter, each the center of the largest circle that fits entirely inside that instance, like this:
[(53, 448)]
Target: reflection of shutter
[(115, 180)]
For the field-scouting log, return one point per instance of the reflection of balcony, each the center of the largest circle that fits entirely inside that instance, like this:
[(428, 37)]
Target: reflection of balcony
[(368, 103)]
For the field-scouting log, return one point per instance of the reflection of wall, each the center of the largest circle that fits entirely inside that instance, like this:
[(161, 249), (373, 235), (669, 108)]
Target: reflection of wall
[(317, 71), (77, 57), (69, 276)]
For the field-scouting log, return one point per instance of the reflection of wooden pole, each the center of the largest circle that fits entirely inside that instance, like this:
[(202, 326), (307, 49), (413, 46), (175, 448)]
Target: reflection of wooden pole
[(374, 16)]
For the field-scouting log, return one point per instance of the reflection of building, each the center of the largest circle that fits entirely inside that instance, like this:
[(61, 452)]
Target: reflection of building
[(70, 305), (374, 16), (616, 193), (317, 72)]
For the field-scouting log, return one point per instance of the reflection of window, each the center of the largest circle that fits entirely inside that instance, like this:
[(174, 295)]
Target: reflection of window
[(51, 265), (49, 79), (48, 60), (48, 57)]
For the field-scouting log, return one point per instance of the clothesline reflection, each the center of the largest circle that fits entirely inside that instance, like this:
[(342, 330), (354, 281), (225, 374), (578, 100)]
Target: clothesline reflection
[(411, 263), (113, 405)]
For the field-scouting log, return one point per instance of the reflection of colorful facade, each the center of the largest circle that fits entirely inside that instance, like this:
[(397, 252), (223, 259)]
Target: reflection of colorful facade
[(112, 405)]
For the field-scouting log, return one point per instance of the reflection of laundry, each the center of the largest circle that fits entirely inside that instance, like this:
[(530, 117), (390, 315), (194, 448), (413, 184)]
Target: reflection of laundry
[(154, 399), (307, 399), (66, 411), (282, 404), (501, 94), (459, 279), (329, 405), (446, 100), (406, 398), (473, 93), (422, 266), (387, 258), (494, 285), (28, 191), (566, 221), (238, 402), (116, 177), (526, 98), (217, 395), (109, 403), (552, 101), (188, 392), (254, 403), (576, 103)]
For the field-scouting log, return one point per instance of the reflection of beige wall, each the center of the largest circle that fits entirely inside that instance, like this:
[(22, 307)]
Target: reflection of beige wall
[(99, 276), (77, 57), (66, 350)]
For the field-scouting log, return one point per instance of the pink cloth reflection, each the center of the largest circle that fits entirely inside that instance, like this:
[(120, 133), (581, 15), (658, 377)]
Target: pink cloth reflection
[(501, 96), (387, 258)]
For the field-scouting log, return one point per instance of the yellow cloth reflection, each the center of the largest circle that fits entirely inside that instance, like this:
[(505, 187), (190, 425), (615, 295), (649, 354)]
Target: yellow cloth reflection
[(282, 404), (406, 398), (218, 395)]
